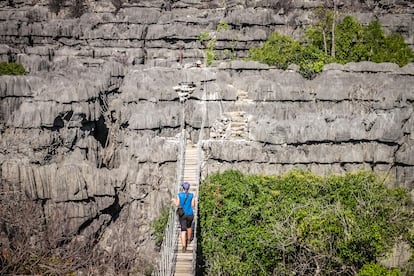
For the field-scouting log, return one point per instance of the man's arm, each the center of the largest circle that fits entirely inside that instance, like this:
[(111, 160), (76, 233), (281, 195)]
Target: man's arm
[(176, 201)]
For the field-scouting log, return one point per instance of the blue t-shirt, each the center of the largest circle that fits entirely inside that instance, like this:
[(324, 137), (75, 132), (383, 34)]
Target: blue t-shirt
[(188, 209)]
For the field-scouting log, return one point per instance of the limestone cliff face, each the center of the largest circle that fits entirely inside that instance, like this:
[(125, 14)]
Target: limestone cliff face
[(159, 32), (91, 133), (61, 143)]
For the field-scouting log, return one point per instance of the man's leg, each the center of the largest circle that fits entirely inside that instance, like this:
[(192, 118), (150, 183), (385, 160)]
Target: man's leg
[(183, 223), (189, 228), (189, 232), (184, 240)]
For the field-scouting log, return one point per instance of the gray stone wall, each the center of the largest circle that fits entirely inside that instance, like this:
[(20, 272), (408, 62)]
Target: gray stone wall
[(161, 32), (357, 116)]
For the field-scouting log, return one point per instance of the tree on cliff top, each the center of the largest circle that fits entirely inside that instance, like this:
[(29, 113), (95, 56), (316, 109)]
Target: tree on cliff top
[(353, 42)]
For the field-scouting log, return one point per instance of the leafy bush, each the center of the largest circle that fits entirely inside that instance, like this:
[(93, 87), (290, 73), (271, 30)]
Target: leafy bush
[(281, 51), (210, 42), (222, 26), (11, 68), (353, 43), (298, 223), (377, 270), (158, 226)]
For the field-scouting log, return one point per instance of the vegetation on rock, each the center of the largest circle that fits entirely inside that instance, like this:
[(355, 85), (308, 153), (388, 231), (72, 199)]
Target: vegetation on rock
[(349, 41), (210, 41), (11, 68), (299, 223), (158, 226)]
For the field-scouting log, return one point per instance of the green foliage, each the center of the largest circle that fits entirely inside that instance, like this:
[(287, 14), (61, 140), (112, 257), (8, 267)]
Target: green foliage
[(298, 222), (211, 54), (203, 37), (11, 68), (222, 26), (353, 43), (210, 44), (378, 270), (281, 51), (382, 48), (158, 226), (319, 31), (210, 47), (348, 34)]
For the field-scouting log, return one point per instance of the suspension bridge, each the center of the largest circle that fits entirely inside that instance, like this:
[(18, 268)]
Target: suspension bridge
[(172, 260), (185, 262)]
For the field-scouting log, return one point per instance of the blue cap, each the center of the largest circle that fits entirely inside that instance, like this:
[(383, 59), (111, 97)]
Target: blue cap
[(186, 185)]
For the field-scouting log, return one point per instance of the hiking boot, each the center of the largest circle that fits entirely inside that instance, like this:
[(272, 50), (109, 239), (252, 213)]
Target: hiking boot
[(184, 249)]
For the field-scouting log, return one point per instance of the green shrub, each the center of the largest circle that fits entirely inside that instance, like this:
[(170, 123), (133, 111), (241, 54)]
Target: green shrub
[(203, 37), (11, 68), (378, 270), (278, 50), (158, 226), (282, 51), (298, 223), (222, 26), (353, 43), (210, 45)]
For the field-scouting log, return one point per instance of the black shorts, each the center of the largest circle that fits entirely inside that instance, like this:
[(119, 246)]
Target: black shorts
[(186, 221)]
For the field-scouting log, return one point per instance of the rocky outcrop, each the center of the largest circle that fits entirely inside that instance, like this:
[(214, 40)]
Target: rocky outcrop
[(351, 117), (162, 33), (62, 144)]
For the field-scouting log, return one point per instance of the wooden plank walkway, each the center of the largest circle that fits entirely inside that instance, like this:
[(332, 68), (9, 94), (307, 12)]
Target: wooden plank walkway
[(184, 262)]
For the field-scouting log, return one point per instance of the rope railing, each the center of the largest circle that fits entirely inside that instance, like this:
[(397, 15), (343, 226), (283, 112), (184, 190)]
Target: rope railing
[(198, 171), (167, 254)]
